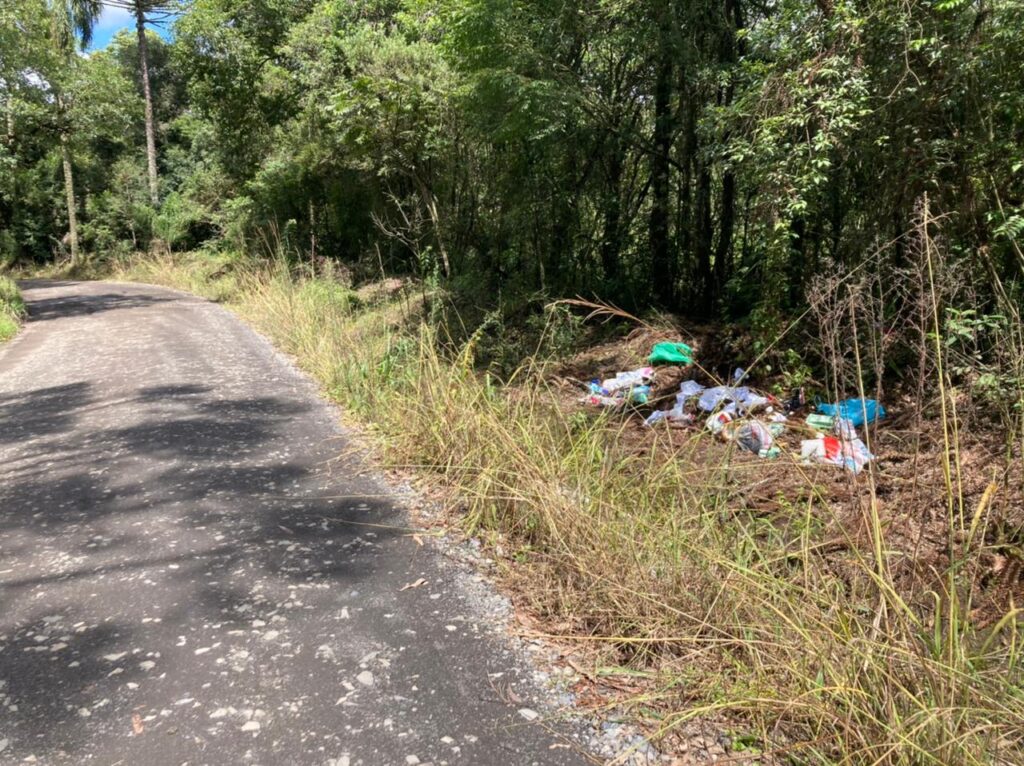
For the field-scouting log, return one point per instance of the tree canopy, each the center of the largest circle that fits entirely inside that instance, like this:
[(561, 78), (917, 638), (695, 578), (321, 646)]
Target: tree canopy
[(707, 157)]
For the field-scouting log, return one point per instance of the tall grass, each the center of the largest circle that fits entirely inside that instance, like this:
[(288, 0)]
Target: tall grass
[(733, 617), (12, 309)]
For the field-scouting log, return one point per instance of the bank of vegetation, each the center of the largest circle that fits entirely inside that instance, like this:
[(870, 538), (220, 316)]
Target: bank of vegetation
[(399, 192)]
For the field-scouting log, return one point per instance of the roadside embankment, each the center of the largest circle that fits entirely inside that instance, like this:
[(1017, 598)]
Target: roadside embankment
[(812, 615)]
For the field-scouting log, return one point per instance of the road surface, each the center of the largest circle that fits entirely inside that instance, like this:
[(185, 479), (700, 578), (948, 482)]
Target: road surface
[(190, 574)]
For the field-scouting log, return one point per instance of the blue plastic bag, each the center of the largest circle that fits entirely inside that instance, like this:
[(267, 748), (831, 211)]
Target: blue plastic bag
[(855, 410)]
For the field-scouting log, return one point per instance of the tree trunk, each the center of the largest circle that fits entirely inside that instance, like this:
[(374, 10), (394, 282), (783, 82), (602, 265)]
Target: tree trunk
[(69, 194), (140, 28), (10, 121), (662, 273), (705, 234), (611, 240), (726, 224), (69, 182), (732, 45), (687, 148), (15, 194)]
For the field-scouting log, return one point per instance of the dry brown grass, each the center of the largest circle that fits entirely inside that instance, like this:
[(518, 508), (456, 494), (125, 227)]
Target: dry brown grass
[(799, 612)]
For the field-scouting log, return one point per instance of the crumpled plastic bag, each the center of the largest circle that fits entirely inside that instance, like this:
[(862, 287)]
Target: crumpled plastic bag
[(752, 436), (629, 379), (671, 353), (857, 411), (674, 415), (740, 399), (690, 388)]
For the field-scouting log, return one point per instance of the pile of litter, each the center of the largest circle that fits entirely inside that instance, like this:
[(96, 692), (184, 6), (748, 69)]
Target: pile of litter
[(633, 387), (737, 413), (732, 414)]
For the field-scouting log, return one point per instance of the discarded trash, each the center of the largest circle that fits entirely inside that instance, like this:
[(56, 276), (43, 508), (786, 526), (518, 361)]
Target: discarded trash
[(603, 401), (777, 428), (712, 397), (623, 380), (797, 400), (824, 423), (740, 399), (752, 401), (690, 388), (737, 402), (639, 394), (656, 417), (857, 411), (843, 447), (626, 387), (674, 415), (844, 429), (678, 414), (852, 455), (671, 353), (824, 450), (751, 435), (718, 421)]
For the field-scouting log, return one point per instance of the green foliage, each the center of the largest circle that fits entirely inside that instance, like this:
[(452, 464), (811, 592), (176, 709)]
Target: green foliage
[(12, 308), (706, 157), (183, 222), (559, 329), (984, 354)]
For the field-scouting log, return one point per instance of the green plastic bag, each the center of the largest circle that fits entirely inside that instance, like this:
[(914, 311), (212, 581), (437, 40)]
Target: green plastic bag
[(671, 353)]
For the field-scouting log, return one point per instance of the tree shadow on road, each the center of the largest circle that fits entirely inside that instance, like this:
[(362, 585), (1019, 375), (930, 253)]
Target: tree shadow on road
[(147, 518), (64, 306)]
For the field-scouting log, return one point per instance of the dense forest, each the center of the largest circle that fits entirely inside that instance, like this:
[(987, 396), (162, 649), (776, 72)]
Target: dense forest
[(711, 158), (828, 194)]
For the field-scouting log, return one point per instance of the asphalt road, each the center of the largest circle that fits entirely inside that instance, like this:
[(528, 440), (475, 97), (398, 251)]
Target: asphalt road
[(190, 574)]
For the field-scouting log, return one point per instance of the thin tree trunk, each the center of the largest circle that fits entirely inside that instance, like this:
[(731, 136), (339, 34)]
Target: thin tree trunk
[(611, 241), (15, 194), (662, 271), (69, 182), (140, 28), (69, 194), (732, 45), (10, 120), (726, 223), (704, 240)]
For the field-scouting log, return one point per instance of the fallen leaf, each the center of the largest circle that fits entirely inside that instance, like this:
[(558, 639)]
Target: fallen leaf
[(418, 584), (418, 540), (137, 726)]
